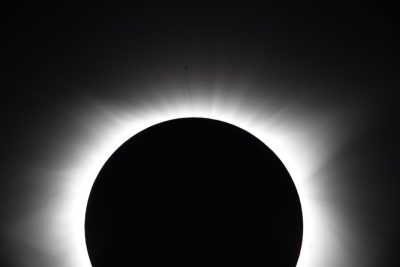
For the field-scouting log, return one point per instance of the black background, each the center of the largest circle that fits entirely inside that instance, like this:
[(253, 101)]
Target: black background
[(56, 52)]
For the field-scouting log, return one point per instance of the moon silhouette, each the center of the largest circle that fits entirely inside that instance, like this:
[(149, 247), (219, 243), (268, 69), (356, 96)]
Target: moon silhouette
[(193, 192)]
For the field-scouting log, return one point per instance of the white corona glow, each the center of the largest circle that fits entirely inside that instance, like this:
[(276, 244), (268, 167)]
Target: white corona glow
[(301, 141)]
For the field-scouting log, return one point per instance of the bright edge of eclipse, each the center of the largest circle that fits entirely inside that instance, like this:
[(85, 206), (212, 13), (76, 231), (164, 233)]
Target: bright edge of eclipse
[(302, 141)]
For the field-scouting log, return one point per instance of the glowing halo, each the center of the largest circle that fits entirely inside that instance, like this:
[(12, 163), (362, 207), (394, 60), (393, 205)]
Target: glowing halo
[(299, 138)]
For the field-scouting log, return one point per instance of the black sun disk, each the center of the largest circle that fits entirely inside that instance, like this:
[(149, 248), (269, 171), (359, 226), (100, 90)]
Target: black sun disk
[(193, 192)]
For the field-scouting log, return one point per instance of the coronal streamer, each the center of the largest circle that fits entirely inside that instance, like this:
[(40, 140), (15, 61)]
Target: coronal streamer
[(302, 140)]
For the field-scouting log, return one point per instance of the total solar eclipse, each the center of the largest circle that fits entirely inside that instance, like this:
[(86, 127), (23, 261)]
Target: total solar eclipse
[(193, 192)]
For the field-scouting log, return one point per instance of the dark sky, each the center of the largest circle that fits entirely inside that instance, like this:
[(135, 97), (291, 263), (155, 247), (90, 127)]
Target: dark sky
[(55, 53)]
